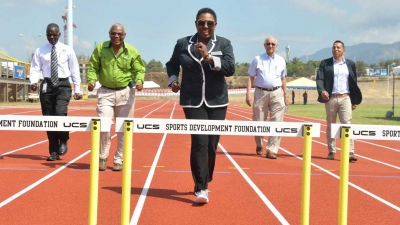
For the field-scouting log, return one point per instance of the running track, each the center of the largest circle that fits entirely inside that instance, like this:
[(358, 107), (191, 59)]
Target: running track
[(247, 189)]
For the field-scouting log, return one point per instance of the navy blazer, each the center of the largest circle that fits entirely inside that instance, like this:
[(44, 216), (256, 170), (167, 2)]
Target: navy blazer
[(325, 76), (200, 82)]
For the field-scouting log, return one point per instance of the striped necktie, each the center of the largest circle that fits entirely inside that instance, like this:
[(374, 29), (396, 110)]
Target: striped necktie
[(54, 66)]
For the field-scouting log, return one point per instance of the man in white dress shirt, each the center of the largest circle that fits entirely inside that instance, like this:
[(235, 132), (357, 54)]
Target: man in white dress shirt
[(270, 93), (337, 88), (56, 62)]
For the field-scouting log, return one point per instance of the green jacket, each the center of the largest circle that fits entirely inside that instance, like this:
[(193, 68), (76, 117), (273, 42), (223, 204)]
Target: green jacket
[(115, 71)]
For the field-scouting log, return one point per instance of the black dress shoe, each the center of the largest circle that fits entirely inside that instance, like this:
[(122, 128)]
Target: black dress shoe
[(53, 157), (63, 148)]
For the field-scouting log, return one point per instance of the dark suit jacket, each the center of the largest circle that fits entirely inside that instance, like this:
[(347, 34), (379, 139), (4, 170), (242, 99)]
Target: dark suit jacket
[(325, 80), (196, 85)]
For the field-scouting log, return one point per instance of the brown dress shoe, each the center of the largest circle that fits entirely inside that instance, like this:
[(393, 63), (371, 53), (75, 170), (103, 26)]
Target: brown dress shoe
[(331, 156), (352, 157), (102, 164), (117, 167), (259, 150), (270, 155)]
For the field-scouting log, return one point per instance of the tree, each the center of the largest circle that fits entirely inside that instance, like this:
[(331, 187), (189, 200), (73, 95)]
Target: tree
[(361, 68), (154, 66), (241, 69)]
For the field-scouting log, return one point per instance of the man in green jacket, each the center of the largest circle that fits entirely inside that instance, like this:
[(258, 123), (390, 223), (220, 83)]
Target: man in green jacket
[(118, 67)]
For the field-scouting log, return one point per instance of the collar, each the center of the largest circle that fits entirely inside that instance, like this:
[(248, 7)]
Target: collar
[(335, 61), (193, 39), (123, 45)]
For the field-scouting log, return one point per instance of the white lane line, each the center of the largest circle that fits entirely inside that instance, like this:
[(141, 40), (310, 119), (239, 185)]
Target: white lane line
[(146, 187), (19, 149), (350, 183), (255, 188), (364, 157), (10, 199), (28, 146)]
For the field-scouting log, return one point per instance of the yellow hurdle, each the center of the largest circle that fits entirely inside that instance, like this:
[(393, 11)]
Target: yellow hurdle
[(94, 172), (344, 175), (127, 172), (305, 191)]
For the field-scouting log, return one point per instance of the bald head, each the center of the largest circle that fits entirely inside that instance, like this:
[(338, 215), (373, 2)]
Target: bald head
[(115, 25), (270, 45)]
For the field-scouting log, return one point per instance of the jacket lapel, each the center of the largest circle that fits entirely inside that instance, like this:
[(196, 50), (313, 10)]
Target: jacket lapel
[(193, 40)]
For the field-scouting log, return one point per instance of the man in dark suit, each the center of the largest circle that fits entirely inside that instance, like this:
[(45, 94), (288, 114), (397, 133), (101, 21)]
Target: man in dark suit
[(337, 88)]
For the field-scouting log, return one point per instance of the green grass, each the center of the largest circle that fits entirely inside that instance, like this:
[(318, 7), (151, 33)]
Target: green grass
[(364, 114)]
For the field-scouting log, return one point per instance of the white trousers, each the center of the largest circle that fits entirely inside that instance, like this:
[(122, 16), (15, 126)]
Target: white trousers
[(334, 107), (114, 103), (274, 103)]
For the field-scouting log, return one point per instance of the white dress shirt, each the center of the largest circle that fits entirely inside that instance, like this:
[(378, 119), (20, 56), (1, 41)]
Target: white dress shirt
[(68, 65), (268, 70), (340, 78)]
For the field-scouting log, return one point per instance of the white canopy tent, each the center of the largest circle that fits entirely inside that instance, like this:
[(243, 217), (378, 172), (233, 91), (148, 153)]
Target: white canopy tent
[(396, 70), (302, 83)]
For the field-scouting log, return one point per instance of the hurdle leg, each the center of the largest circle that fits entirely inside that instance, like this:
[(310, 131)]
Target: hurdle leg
[(126, 172), (344, 175), (94, 172), (306, 176)]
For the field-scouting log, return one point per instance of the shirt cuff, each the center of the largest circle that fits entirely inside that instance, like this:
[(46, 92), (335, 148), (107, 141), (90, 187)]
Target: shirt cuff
[(172, 79), (217, 63), (77, 89)]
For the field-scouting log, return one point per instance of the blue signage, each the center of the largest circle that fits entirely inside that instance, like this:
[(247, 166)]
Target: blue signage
[(19, 72)]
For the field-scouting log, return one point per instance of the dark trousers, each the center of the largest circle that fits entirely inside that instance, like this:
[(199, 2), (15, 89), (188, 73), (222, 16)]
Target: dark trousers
[(54, 102), (204, 147), (305, 101)]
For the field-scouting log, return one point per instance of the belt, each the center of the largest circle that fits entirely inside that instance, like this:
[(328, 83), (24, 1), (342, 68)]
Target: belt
[(269, 89), (340, 95), (114, 88), (59, 79)]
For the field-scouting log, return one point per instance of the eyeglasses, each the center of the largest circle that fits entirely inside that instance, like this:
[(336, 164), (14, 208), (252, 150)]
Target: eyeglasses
[(272, 44), (202, 23), (115, 33)]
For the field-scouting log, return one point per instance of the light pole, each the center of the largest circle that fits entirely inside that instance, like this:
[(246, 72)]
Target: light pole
[(30, 43), (393, 64)]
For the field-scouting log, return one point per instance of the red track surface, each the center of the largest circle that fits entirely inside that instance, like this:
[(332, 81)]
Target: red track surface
[(63, 196)]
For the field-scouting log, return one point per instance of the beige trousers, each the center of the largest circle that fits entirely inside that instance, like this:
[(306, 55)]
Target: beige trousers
[(342, 107), (274, 103), (114, 103)]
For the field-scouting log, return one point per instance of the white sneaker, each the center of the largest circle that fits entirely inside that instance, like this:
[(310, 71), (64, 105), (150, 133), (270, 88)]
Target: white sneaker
[(201, 196)]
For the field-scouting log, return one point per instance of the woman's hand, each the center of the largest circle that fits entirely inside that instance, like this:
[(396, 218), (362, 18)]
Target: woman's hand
[(202, 48), (175, 86)]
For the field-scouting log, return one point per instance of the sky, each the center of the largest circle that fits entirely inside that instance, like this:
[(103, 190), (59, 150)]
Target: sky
[(154, 26)]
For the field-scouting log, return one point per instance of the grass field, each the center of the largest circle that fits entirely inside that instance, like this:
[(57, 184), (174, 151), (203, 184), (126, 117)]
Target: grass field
[(364, 114)]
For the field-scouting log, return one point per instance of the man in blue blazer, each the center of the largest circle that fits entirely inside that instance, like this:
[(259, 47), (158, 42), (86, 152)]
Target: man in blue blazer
[(337, 88)]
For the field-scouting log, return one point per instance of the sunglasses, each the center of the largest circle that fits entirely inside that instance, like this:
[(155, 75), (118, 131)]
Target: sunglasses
[(272, 44), (202, 23), (115, 33)]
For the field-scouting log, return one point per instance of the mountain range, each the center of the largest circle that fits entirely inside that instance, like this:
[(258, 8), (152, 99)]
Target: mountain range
[(370, 53)]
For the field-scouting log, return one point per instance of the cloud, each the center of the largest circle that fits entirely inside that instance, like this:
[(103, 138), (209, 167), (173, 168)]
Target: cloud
[(3, 50), (46, 2), (385, 35), (354, 15), (80, 43), (320, 8), (9, 4)]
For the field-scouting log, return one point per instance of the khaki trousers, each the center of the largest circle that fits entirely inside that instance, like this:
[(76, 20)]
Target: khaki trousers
[(274, 103), (114, 103), (342, 107)]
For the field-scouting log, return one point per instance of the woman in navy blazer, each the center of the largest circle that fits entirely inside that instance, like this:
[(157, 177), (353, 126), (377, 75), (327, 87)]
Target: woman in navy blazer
[(206, 59)]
